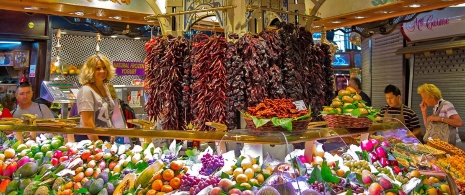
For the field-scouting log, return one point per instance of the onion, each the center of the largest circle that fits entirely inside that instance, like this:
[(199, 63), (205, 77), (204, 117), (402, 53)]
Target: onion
[(373, 157), (384, 162), (380, 152), (366, 145), (385, 144), (374, 142)]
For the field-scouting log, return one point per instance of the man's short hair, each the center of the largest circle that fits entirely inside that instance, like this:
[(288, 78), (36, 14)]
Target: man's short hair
[(23, 84), (392, 89), (357, 82)]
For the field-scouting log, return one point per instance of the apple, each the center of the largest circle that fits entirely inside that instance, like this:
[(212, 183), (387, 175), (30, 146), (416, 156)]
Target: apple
[(386, 184), (375, 189), (54, 161)]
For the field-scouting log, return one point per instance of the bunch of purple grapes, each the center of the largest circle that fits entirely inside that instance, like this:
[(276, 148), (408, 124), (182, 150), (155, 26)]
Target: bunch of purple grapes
[(195, 184), (211, 163)]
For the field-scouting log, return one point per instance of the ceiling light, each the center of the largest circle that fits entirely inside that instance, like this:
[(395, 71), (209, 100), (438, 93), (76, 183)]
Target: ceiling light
[(32, 8), (10, 42), (415, 5), (359, 17), (384, 12), (336, 22), (459, 5), (77, 13), (114, 36), (316, 26), (64, 32), (115, 17), (150, 20), (136, 38)]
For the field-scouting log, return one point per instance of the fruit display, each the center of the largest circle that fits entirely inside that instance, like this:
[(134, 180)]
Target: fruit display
[(348, 102), (49, 166), (446, 147), (65, 69)]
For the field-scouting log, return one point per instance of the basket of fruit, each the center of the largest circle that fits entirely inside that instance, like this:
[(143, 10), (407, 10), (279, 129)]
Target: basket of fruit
[(277, 115), (349, 111)]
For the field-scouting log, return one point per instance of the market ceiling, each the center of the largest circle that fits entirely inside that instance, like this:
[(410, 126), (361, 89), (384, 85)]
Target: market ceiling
[(332, 13)]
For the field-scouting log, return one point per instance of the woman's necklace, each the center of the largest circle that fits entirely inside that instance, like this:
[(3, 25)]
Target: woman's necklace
[(101, 94)]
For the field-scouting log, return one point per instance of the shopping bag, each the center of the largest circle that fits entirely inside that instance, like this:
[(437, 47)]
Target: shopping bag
[(440, 131)]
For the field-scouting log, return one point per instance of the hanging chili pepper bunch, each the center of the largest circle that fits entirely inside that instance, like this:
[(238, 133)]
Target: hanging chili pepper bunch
[(208, 97), (164, 68), (255, 64), (236, 84)]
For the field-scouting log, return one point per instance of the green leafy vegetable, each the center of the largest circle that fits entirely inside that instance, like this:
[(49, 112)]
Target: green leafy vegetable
[(315, 176), (141, 166)]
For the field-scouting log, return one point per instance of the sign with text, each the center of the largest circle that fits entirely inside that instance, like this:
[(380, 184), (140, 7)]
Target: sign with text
[(439, 23), (129, 68)]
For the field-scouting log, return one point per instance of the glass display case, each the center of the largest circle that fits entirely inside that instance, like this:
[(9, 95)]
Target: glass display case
[(386, 157)]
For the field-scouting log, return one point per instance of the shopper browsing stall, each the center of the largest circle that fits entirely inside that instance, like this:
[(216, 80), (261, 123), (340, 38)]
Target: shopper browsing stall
[(94, 102), (396, 109), (357, 85), (25, 105), (444, 121)]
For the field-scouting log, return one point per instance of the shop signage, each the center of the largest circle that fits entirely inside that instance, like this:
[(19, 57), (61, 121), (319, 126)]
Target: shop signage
[(129, 68), (139, 6), (438, 23)]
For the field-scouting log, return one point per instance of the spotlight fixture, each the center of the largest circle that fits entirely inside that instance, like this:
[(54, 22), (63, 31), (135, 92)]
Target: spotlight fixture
[(32, 8), (114, 36), (359, 17), (384, 12), (415, 5), (136, 38), (77, 13), (336, 22), (115, 17)]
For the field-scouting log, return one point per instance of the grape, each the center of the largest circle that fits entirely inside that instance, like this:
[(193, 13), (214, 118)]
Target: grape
[(210, 164), (317, 186), (195, 184)]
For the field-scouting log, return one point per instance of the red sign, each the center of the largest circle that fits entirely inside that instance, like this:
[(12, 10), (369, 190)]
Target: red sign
[(438, 23)]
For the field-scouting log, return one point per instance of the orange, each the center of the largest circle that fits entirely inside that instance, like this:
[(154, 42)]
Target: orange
[(151, 192), (161, 193), (180, 175), (185, 168), (166, 188), (67, 192), (156, 185), (157, 176), (168, 174), (68, 185), (176, 165), (175, 183)]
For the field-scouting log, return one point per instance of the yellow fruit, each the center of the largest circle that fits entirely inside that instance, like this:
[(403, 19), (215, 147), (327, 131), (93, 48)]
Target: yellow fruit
[(269, 168), (247, 186), (9, 153), (347, 99), (256, 168), (253, 181), (72, 71), (246, 163), (414, 173), (445, 188), (249, 173), (260, 178), (357, 97), (340, 172), (2, 157), (351, 90), (228, 170), (242, 178), (343, 92), (238, 171), (432, 191)]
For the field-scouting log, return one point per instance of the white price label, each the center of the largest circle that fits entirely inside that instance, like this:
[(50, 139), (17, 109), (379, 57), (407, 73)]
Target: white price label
[(300, 105)]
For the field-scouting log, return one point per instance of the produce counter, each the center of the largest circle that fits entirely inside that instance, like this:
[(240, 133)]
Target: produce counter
[(385, 159)]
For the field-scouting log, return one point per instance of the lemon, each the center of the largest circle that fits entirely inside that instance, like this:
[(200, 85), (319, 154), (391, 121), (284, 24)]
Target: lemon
[(260, 178), (256, 168), (9, 153), (253, 181), (238, 171), (241, 178), (247, 186), (246, 163), (2, 157), (249, 173)]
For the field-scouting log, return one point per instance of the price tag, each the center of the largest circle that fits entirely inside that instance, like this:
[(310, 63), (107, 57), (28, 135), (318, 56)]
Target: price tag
[(300, 105)]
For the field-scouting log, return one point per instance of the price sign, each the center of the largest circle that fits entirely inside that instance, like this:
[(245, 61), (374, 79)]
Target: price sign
[(300, 105)]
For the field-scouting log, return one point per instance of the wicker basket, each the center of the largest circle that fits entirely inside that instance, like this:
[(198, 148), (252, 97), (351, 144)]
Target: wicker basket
[(348, 122), (298, 127)]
